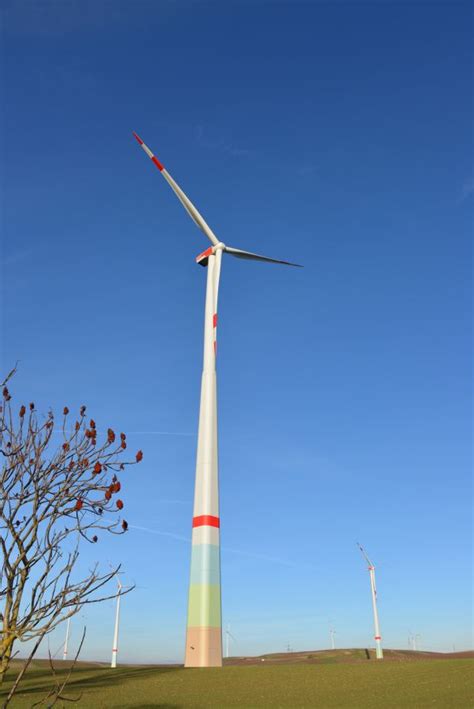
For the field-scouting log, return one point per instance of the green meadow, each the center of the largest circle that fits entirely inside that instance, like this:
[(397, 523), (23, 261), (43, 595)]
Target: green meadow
[(444, 683)]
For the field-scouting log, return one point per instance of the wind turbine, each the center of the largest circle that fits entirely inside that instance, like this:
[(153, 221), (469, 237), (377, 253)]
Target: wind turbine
[(68, 626), (113, 663), (228, 636), (204, 625), (378, 637)]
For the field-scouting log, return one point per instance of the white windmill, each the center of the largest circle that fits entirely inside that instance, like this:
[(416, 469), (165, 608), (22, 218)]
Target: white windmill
[(228, 638), (66, 641), (113, 663), (204, 627), (373, 589)]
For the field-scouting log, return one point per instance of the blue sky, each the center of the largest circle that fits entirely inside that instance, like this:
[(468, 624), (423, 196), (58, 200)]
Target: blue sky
[(337, 135)]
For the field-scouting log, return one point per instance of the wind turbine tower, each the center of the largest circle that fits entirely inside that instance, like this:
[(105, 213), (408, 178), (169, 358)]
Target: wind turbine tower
[(373, 589), (66, 642), (113, 664), (228, 637), (204, 627)]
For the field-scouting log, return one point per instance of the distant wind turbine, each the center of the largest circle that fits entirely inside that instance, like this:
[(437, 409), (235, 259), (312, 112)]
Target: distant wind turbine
[(204, 627), (66, 642), (228, 636), (378, 637), (113, 664)]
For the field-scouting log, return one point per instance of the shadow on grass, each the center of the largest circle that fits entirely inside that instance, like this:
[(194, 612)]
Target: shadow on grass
[(105, 677), (148, 706)]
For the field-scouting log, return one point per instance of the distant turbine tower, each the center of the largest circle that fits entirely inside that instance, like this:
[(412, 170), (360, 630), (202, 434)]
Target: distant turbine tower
[(378, 637), (116, 629), (332, 633), (204, 628), (67, 638), (228, 635)]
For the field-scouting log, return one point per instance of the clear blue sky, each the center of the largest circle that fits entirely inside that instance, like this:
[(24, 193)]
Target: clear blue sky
[(337, 135)]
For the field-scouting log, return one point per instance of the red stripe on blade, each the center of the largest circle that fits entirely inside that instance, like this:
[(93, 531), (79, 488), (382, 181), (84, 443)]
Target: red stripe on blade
[(157, 163), (206, 521)]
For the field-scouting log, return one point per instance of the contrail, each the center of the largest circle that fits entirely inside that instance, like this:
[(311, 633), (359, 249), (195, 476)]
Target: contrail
[(163, 433), (143, 433), (241, 552), (179, 537)]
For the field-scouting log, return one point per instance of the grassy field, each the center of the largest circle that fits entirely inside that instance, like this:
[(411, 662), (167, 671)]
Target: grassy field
[(409, 685)]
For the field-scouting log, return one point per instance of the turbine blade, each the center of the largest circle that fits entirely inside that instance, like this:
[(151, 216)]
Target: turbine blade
[(187, 204), (238, 253), (364, 554)]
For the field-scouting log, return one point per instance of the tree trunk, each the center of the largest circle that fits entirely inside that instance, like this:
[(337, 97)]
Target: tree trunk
[(6, 649)]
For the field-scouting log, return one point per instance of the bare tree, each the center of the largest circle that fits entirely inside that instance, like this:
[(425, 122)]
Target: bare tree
[(53, 495)]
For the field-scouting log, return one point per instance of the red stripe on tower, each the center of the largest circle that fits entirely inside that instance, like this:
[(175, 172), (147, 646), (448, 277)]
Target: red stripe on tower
[(206, 521)]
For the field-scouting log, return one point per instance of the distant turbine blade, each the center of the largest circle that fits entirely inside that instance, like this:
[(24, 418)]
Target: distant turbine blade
[(238, 253), (364, 554), (187, 204)]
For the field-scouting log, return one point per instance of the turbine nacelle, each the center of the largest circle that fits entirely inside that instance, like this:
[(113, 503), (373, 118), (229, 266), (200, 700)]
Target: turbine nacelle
[(202, 258)]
